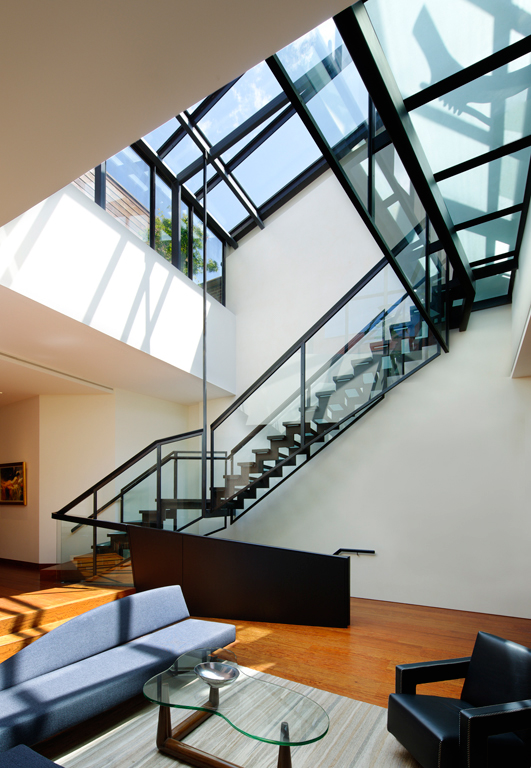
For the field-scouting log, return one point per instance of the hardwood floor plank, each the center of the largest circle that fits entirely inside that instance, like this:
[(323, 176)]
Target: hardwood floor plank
[(358, 661)]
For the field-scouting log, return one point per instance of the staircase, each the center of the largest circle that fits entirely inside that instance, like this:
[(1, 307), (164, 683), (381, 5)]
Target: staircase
[(343, 375), (370, 341)]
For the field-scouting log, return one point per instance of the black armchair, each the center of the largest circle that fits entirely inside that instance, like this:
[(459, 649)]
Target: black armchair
[(490, 725)]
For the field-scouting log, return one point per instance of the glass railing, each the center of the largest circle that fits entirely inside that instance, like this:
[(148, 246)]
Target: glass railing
[(369, 342), (159, 487)]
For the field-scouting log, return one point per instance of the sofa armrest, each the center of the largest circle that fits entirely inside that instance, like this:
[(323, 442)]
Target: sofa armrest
[(478, 723), (408, 676)]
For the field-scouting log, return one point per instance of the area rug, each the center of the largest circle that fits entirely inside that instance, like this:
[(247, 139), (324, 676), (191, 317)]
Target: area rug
[(357, 737)]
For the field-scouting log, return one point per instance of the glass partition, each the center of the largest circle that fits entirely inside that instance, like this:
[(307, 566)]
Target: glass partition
[(131, 496)]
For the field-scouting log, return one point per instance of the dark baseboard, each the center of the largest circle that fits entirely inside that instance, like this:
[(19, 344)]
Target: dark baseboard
[(24, 564)]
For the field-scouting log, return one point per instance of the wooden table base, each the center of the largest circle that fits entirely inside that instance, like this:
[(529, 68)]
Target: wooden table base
[(169, 742)]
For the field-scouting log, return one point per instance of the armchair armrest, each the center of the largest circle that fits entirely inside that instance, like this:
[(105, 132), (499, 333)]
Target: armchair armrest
[(408, 676), (478, 723)]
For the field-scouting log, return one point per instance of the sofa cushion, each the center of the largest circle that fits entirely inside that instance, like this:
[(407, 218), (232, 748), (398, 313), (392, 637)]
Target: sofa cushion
[(95, 631), (24, 757), (38, 708)]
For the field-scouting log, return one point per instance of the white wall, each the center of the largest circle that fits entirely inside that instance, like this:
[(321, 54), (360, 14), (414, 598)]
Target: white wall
[(435, 479), (19, 525), (77, 449), (282, 280), (68, 254)]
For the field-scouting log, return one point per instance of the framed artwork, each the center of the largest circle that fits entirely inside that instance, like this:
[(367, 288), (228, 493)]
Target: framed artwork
[(13, 483)]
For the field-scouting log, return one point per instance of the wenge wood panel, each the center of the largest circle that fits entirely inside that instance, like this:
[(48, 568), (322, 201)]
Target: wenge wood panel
[(224, 578)]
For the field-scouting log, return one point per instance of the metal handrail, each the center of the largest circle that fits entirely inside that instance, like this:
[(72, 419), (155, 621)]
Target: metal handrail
[(122, 468)]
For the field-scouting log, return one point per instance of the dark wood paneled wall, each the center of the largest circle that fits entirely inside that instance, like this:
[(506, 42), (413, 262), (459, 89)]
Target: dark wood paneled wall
[(224, 578)]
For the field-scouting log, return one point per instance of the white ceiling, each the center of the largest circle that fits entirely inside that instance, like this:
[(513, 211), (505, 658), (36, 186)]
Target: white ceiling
[(81, 80)]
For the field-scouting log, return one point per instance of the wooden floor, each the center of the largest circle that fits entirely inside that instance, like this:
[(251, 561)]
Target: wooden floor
[(358, 661)]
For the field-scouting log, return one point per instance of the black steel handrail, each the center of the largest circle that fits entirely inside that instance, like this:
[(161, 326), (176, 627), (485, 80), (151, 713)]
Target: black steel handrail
[(122, 468)]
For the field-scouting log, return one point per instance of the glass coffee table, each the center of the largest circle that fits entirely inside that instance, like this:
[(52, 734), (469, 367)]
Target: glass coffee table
[(209, 681)]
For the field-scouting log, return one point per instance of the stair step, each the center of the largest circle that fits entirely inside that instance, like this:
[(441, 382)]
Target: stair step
[(30, 611), (343, 378)]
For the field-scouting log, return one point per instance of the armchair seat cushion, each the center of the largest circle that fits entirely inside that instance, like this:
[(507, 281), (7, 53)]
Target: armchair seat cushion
[(428, 727)]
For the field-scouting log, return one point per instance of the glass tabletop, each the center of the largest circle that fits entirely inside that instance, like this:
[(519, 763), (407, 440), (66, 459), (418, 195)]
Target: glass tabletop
[(257, 708)]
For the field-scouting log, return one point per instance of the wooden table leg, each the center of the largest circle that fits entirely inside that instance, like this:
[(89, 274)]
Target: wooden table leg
[(169, 741)]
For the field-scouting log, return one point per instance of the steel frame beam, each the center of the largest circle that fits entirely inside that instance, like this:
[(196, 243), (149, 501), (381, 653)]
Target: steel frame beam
[(278, 70), (364, 47), (467, 75)]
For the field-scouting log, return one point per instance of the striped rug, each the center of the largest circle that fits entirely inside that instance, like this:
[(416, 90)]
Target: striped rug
[(357, 737)]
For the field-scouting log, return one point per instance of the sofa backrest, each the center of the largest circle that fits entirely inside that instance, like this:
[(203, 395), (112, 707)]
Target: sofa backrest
[(95, 631), (499, 671)]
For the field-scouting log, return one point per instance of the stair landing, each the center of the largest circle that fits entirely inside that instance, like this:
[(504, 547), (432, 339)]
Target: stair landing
[(26, 617)]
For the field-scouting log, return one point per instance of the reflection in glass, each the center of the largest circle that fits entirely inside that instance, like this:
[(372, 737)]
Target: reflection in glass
[(492, 238), (197, 249), (214, 264), (163, 220), (493, 287), (398, 210), (127, 191), (488, 188), (476, 118), (426, 40), (437, 265), (184, 237)]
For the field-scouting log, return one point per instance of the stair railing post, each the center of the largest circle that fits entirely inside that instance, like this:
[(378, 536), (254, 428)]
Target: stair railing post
[(303, 393), (159, 486), (204, 436), (94, 533)]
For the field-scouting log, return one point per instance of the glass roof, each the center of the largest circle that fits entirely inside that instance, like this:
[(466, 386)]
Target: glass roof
[(466, 87), (474, 128)]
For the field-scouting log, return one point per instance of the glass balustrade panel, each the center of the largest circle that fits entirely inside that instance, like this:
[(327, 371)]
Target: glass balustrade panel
[(263, 431)]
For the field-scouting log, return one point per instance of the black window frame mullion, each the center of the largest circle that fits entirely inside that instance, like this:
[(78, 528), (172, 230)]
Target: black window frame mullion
[(467, 75), (100, 185), (152, 205)]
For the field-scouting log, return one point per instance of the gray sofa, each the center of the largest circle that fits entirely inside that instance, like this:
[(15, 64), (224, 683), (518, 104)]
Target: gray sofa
[(97, 660)]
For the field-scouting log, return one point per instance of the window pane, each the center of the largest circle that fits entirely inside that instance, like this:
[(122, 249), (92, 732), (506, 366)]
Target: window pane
[(426, 40), (398, 210), (487, 188), (185, 212), (276, 162), (214, 267), (252, 92), (163, 222), (127, 191), (197, 250), (225, 207), (156, 138), (476, 118), (182, 155), (493, 287), (494, 238)]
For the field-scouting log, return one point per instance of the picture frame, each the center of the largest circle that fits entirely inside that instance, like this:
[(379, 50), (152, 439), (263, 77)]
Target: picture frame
[(13, 483)]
